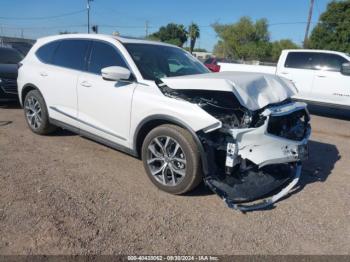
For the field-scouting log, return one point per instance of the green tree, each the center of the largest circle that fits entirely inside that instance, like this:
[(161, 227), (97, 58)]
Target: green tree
[(171, 33), (219, 49), (193, 33), (196, 49), (278, 46), (333, 29), (243, 40)]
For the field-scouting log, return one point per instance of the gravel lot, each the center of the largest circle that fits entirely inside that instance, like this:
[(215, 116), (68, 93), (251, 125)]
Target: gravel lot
[(64, 194)]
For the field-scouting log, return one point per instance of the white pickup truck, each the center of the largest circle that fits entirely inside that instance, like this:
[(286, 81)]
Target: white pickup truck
[(321, 77)]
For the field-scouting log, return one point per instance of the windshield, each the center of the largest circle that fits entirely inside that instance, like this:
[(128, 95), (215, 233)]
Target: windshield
[(157, 61), (9, 56)]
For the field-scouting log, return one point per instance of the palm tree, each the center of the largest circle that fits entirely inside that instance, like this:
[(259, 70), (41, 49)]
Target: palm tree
[(182, 34), (194, 33)]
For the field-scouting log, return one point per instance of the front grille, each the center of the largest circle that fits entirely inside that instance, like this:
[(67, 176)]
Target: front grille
[(293, 126), (9, 85)]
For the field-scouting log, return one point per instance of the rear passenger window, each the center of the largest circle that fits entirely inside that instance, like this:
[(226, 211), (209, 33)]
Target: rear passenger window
[(71, 54), (45, 52), (300, 60), (104, 55)]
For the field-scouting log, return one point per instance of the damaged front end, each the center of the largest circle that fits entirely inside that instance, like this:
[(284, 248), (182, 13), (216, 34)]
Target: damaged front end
[(255, 154), (249, 163)]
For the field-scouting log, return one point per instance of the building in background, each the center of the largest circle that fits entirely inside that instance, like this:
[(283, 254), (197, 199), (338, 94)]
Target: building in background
[(202, 56)]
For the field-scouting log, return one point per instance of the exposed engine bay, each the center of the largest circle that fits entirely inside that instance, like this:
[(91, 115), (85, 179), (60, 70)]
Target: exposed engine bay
[(254, 153)]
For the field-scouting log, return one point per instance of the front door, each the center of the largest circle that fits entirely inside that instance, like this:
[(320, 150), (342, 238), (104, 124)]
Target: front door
[(104, 106)]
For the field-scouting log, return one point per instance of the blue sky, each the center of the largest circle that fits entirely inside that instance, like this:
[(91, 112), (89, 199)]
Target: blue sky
[(129, 16)]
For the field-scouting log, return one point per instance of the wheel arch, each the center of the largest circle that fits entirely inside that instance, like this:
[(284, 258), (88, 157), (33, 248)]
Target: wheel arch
[(25, 90), (153, 121)]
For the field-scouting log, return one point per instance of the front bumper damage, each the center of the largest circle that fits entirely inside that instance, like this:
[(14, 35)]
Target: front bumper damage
[(258, 163), (270, 200)]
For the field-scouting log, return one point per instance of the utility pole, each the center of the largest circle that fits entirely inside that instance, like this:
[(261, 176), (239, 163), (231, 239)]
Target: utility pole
[(308, 23), (88, 14), (146, 27)]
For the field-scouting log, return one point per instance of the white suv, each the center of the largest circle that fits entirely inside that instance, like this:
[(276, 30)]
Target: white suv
[(240, 132)]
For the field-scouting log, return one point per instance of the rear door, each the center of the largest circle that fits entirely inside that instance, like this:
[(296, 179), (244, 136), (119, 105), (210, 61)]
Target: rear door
[(104, 105), (298, 68), (59, 79), (330, 85)]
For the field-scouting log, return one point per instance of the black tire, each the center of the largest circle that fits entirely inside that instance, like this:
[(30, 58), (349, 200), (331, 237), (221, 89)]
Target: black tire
[(193, 170), (44, 128)]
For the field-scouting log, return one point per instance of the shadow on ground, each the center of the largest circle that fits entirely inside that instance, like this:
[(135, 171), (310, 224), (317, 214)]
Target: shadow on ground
[(62, 132), (319, 166), (322, 159), (343, 114), (201, 190), (10, 105)]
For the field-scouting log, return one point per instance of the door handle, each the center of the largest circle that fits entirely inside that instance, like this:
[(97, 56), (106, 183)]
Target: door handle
[(85, 83), (321, 76), (284, 73), (43, 73)]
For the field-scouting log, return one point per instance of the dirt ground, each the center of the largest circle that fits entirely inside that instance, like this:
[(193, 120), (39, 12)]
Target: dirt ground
[(64, 194)]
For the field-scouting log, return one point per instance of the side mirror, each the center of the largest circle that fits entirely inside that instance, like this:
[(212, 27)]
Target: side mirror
[(345, 69), (115, 73)]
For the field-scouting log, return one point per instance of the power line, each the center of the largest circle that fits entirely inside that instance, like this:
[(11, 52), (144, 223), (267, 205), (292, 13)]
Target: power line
[(42, 17), (41, 27)]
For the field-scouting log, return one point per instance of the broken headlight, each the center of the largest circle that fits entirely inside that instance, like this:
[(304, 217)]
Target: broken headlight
[(293, 126)]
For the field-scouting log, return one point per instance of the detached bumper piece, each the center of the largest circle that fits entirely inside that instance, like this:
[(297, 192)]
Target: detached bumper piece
[(270, 183)]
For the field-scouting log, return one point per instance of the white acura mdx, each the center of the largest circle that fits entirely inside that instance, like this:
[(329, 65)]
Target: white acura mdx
[(239, 132)]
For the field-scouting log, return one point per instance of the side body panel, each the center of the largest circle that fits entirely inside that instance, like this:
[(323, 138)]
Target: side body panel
[(331, 87), (148, 101)]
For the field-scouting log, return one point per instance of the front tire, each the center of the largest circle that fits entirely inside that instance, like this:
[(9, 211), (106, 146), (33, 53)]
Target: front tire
[(36, 114), (171, 159)]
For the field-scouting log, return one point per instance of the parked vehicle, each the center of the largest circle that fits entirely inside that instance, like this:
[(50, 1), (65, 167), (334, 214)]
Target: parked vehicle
[(322, 77), (212, 63), (9, 59), (239, 132), (22, 47)]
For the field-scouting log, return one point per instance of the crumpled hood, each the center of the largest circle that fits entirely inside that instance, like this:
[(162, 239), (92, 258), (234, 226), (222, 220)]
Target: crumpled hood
[(253, 90)]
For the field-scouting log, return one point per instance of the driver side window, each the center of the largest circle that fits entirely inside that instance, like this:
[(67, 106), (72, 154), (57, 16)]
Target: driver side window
[(104, 55)]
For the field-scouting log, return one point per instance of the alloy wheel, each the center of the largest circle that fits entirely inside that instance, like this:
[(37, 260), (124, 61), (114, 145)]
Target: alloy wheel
[(33, 112), (166, 160)]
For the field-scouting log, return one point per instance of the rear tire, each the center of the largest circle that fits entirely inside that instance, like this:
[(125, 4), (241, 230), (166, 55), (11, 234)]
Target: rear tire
[(36, 113), (171, 159)]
